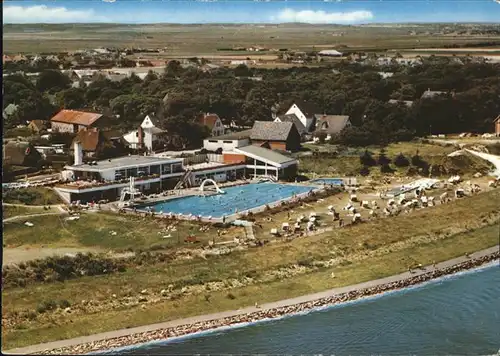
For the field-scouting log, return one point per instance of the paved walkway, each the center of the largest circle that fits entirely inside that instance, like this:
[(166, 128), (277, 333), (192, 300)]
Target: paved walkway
[(493, 159), (18, 217), (263, 307)]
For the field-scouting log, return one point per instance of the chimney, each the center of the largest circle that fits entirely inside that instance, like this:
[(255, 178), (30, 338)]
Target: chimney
[(78, 153), (141, 136)]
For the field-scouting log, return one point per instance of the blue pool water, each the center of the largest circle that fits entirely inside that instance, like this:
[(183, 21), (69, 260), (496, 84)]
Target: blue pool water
[(333, 181), (242, 198), (457, 315)]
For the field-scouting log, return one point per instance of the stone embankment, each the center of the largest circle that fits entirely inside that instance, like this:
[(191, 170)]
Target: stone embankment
[(167, 333)]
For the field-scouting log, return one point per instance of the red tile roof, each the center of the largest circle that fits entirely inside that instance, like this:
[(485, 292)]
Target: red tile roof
[(76, 117), (89, 139), (209, 120)]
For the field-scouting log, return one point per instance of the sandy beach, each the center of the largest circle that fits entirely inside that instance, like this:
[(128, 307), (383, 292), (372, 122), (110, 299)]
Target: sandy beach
[(162, 331)]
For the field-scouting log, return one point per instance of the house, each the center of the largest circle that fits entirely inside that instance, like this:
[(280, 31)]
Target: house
[(497, 126), (281, 136), (73, 121), (9, 111), (21, 154), (408, 103), (228, 142), (38, 126), (99, 143), (429, 94), (331, 124), (146, 136), (305, 111), (213, 122), (385, 75), (293, 118), (6, 59)]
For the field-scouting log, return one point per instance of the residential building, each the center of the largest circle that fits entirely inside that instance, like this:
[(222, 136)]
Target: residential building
[(305, 111), (73, 121), (293, 118), (21, 154), (331, 125), (38, 126), (97, 143), (147, 134), (408, 103), (281, 136), (213, 122), (9, 111), (429, 94), (497, 126), (228, 142)]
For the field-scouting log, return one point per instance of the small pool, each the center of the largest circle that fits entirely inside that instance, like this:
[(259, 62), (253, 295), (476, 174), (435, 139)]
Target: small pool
[(332, 181), (239, 198)]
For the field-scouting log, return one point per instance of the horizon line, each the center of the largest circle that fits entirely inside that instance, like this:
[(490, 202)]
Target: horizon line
[(256, 23)]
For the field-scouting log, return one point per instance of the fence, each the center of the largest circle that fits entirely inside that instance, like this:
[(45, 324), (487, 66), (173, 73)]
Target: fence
[(202, 158)]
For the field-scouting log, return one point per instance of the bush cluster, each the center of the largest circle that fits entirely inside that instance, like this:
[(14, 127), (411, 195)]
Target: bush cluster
[(58, 269)]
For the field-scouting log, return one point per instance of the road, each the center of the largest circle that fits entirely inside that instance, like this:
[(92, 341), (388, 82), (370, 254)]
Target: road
[(494, 159)]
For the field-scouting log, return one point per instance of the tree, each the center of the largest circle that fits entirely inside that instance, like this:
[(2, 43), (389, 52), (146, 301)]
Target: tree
[(52, 81), (366, 159), (401, 161)]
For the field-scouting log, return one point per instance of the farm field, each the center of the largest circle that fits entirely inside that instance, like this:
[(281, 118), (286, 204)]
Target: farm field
[(201, 40)]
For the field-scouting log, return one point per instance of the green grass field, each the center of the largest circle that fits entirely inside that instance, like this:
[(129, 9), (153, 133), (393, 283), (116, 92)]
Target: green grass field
[(31, 196), (204, 40), (364, 252)]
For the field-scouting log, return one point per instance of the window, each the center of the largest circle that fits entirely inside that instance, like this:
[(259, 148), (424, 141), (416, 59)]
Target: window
[(227, 141), (212, 141), (166, 168), (137, 134), (154, 169)]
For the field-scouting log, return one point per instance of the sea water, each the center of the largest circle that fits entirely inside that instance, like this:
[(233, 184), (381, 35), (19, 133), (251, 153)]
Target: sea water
[(457, 315)]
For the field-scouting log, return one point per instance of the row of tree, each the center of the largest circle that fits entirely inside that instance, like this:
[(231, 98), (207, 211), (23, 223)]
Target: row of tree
[(352, 89)]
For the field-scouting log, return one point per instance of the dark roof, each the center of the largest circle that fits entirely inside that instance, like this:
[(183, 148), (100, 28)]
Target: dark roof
[(20, 154), (308, 108), (271, 131), (331, 124), (89, 139), (295, 120), (233, 135)]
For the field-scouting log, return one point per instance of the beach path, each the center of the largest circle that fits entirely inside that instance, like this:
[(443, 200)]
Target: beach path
[(263, 307)]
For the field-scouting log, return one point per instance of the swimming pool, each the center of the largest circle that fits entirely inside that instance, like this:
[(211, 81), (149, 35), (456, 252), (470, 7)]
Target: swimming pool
[(333, 181), (239, 198)]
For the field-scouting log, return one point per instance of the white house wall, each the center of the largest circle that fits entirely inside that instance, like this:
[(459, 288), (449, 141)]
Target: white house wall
[(295, 110), (226, 145)]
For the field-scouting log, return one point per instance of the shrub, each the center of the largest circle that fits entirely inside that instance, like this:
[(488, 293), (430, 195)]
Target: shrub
[(401, 161), (386, 169), (364, 171), (46, 306), (366, 159), (63, 303), (231, 296), (305, 262)]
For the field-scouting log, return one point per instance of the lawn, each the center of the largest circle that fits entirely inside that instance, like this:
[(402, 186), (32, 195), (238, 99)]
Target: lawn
[(104, 230), (31, 196), (360, 253)]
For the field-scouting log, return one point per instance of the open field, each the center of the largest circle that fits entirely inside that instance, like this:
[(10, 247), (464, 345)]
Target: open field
[(31, 196), (204, 40), (276, 271), (347, 162), (105, 231), (9, 211)]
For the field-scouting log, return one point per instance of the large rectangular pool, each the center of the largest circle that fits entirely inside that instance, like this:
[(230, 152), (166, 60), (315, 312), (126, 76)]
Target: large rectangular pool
[(235, 200)]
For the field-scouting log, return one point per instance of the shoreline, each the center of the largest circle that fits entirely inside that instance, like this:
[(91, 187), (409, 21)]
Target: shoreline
[(183, 327)]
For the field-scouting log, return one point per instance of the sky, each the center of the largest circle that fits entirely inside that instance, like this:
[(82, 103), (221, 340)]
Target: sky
[(247, 11)]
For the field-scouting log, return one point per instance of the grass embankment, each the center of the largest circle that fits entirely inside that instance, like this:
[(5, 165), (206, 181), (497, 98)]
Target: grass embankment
[(359, 253), (9, 211), (31, 196), (107, 231), (348, 163)]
